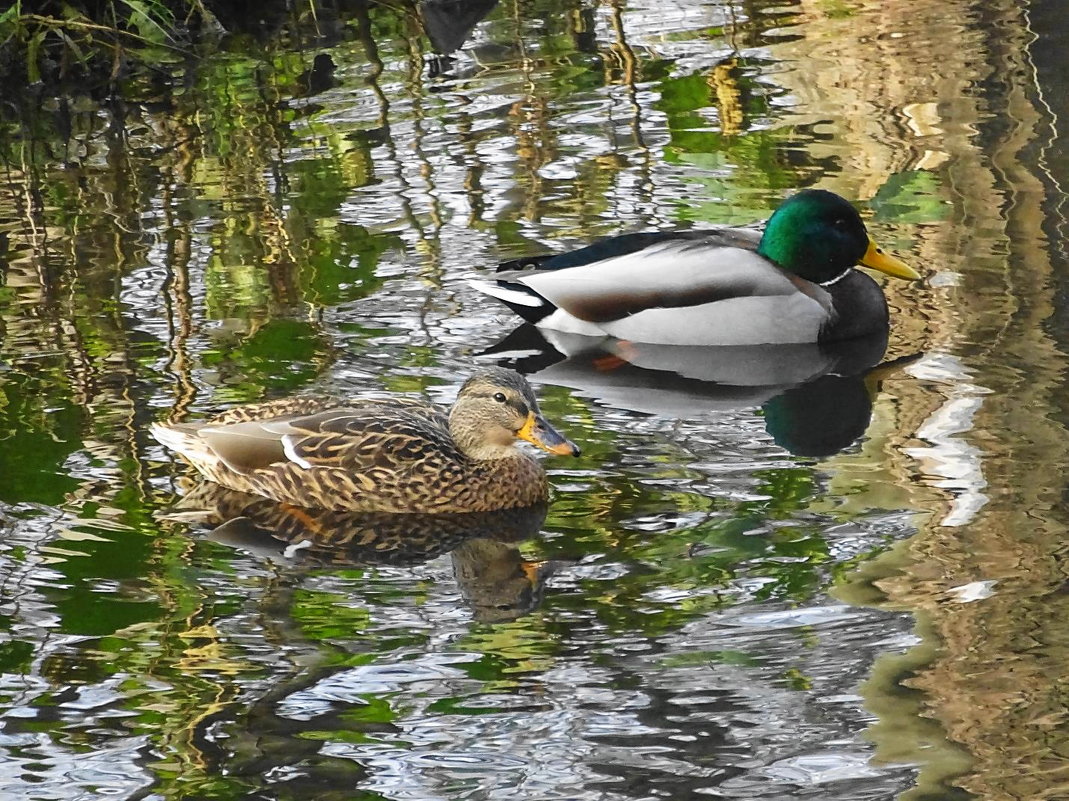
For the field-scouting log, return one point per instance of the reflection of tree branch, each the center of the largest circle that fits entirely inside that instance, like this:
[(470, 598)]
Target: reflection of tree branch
[(629, 79), (29, 203), (429, 244), (474, 173), (179, 306), (81, 371), (279, 260), (728, 97), (528, 147), (371, 49), (175, 291), (429, 241), (250, 745)]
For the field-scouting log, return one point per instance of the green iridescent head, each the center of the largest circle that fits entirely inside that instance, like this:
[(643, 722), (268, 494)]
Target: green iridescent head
[(818, 236)]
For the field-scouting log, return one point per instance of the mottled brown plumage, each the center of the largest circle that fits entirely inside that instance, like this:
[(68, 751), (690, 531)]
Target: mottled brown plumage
[(395, 455)]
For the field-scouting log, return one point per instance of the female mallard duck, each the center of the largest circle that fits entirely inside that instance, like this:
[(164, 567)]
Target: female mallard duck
[(795, 283), (395, 455)]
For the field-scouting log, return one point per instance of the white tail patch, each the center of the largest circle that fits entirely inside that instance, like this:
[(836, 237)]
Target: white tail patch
[(508, 295)]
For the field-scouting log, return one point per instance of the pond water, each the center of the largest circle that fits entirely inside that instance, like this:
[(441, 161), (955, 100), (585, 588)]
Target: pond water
[(770, 575)]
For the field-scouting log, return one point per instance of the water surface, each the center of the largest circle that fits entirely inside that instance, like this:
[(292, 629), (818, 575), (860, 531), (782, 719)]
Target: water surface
[(772, 576)]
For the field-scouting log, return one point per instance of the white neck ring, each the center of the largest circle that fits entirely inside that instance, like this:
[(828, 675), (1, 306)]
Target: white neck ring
[(837, 278)]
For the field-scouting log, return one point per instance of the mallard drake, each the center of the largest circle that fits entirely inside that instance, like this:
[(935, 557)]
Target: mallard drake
[(795, 283), (393, 455)]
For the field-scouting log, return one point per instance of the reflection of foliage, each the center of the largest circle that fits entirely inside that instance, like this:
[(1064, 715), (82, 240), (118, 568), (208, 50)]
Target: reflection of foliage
[(731, 542), (321, 618), (16, 656), (280, 355), (38, 431), (341, 267), (757, 162), (910, 197), (687, 99)]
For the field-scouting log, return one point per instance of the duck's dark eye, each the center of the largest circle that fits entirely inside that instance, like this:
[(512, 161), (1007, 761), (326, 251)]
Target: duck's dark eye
[(500, 397)]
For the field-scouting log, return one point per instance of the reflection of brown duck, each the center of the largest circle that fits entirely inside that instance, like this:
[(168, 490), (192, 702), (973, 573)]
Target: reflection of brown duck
[(495, 579), (393, 455), (493, 576), (322, 536)]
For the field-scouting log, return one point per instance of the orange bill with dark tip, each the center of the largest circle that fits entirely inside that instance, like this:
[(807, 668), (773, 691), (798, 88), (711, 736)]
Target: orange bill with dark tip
[(531, 570), (876, 258), (539, 432)]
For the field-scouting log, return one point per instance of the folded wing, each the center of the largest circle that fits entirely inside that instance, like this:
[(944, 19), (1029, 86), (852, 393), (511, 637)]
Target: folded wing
[(357, 438)]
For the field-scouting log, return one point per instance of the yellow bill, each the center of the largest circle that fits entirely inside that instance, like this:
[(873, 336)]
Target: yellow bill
[(876, 258)]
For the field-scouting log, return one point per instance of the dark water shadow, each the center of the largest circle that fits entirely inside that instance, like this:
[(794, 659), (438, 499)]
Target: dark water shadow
[(449, 23)]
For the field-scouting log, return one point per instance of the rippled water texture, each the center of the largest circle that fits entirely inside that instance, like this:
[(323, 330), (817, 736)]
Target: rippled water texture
[(785, 574)]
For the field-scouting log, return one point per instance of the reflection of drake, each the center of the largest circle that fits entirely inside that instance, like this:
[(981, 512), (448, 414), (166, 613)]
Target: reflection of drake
[(817, 399), (493, 576)]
